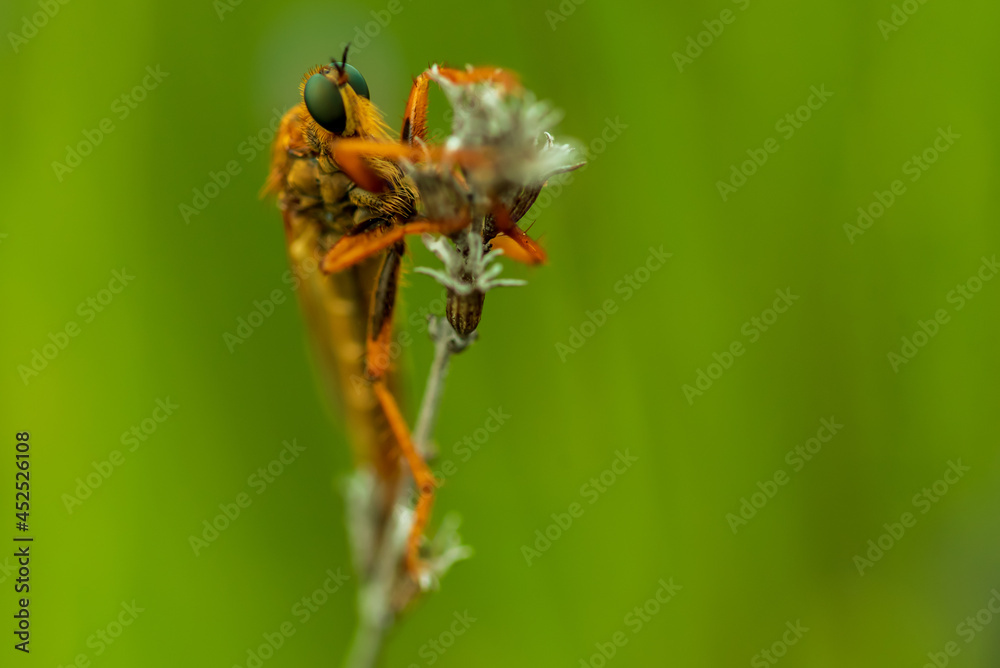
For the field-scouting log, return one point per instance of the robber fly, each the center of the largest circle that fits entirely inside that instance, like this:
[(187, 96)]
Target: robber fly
[(347, 206)]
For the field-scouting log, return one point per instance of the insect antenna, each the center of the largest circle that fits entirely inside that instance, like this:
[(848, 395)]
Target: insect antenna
[(343, 59)]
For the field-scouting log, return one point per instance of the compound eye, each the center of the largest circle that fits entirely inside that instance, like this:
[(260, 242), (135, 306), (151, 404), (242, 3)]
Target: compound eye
[(354, 78), (325, 104)]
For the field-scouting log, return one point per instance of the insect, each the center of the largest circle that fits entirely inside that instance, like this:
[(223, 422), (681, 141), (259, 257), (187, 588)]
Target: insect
[(347, 206)]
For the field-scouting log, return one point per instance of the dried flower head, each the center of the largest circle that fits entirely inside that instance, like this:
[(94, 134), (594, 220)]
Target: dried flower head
[(508, 128), (500, 138)]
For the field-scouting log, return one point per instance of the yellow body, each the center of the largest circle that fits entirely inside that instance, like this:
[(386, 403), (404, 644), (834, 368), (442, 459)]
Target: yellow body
[(320, 205)]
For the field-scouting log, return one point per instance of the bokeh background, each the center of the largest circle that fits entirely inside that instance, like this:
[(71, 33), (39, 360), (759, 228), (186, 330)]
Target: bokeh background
[(652, 182)]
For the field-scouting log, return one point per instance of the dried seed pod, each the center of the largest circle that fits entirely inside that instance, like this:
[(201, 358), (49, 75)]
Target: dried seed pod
[(464, 311)]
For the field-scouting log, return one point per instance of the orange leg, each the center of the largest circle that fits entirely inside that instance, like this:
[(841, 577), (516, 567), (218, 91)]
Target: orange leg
[(352, 248), (422, 475), (506, 79), (377, 365), (351, 154), (531, 253), (512, 250), (354, 157), (415, 119)]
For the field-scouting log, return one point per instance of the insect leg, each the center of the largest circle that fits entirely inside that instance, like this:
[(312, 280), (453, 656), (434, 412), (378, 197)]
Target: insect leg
[(383, 304), (506, 79), (352, 248), (531, 253), (415, 117), (422, 475), (378, 362), (353, 157)]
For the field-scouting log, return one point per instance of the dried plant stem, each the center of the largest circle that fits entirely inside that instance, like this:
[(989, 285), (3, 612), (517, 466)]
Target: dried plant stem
[(366, 645), (446, 343), (380, 586)]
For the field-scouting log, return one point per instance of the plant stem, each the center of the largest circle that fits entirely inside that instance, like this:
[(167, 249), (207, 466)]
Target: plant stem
[(446, 343), (375, 612), (375, 599), (366, 645)]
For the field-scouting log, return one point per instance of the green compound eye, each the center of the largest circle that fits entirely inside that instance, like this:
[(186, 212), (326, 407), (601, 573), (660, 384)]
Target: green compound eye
[(325, 104), (354, 78)]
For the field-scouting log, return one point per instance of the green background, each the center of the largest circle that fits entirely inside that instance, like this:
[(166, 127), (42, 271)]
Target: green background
[(655, 184)]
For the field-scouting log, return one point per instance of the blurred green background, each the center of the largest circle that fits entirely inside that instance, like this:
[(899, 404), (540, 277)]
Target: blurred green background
[(678, 128)]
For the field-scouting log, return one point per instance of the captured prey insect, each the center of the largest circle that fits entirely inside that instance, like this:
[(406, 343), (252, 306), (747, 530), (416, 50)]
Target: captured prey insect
[(350, 193)]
